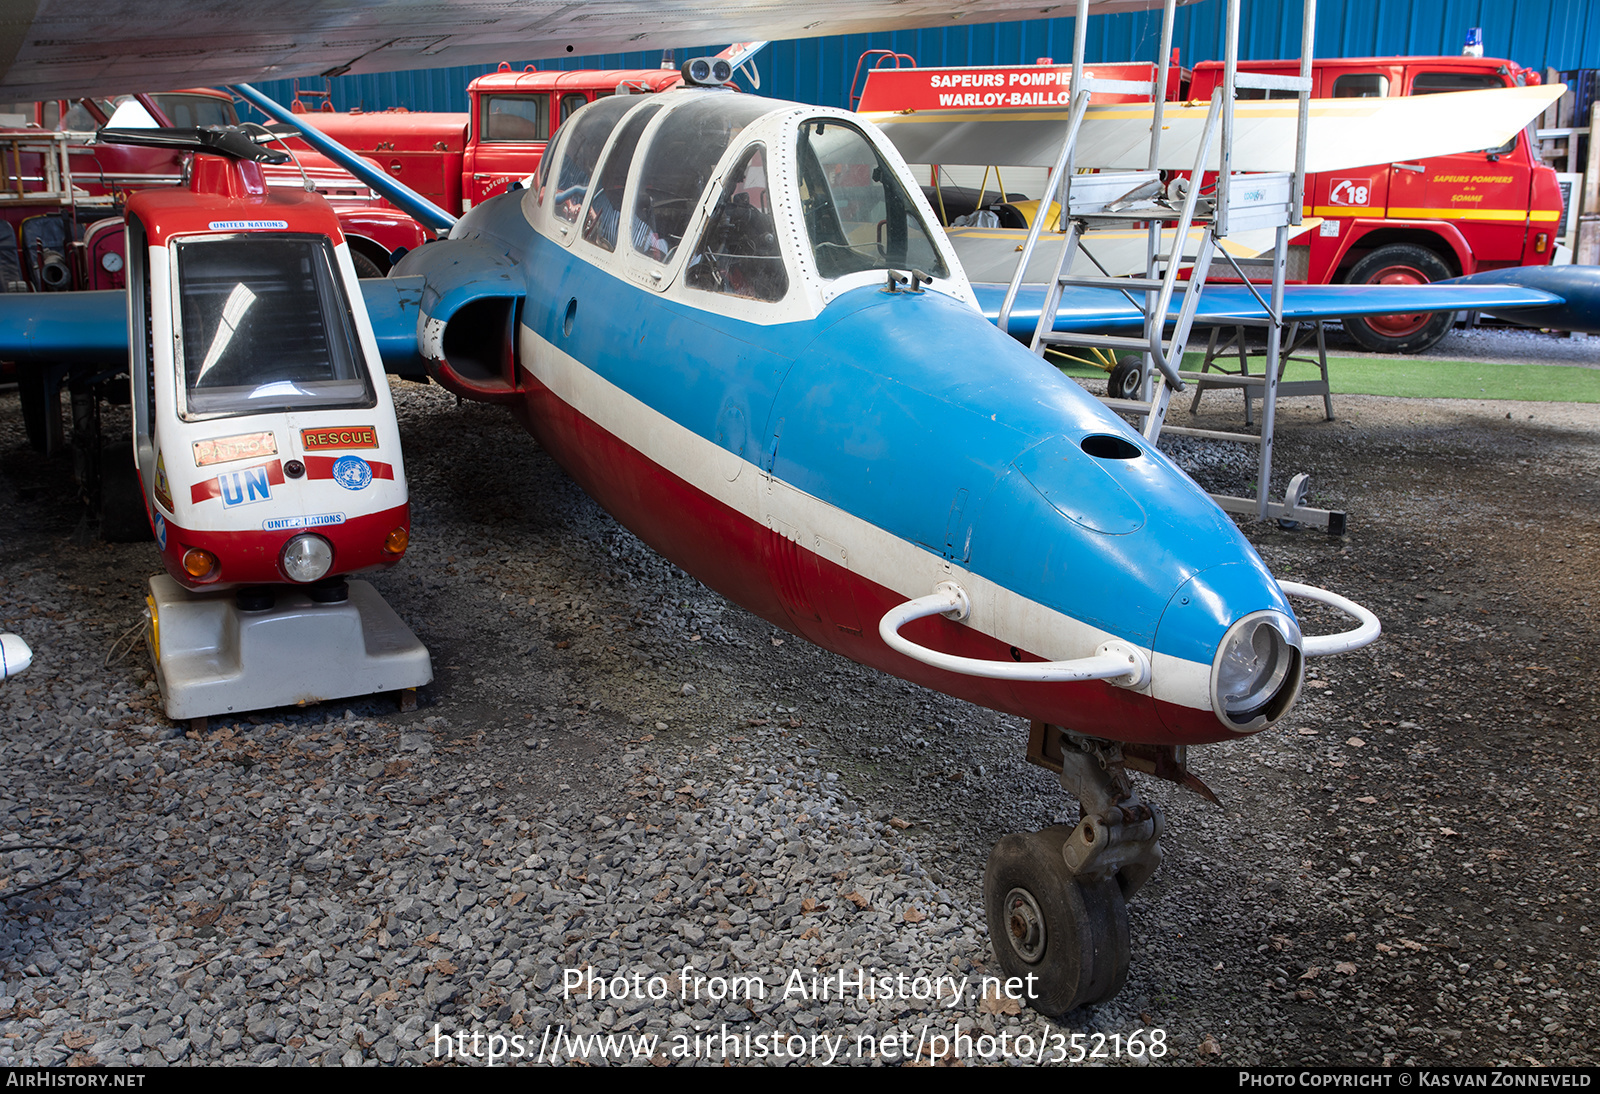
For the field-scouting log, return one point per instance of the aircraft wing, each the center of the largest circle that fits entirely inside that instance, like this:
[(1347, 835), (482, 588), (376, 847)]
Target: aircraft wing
[(92, 327), (44, 328), (1109, 311), (991, 254), (1577, 286), (51, 48), (39, 328), (1342, 133)]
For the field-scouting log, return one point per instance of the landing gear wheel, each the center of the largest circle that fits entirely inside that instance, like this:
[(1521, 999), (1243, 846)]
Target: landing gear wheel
[(1127, 378), (1069, 935), (1399, 264)]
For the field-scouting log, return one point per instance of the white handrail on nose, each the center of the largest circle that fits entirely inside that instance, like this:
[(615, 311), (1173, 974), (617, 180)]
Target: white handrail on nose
[(1120, 663), (1315, 645)]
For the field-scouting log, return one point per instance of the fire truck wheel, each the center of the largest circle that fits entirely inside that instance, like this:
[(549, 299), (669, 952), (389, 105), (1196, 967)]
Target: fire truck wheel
[(122, 515), (365, 267), (1414, 332)]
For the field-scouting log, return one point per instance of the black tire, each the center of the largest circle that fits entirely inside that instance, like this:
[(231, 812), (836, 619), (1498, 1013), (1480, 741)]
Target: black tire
[(365, 267), (1070, 936), (1127, 378), (1399, 264), (123, 518)]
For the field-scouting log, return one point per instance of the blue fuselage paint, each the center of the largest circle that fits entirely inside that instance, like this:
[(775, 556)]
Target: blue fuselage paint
[(912, 412)]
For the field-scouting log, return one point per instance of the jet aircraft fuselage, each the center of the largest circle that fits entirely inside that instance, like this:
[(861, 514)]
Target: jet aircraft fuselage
[(737, 325)]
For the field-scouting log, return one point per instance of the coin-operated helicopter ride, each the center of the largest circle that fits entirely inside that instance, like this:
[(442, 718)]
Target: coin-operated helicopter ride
[(265, 441)]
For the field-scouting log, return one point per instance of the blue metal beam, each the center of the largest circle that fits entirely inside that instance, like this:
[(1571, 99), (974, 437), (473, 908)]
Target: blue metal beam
[(402, 196)]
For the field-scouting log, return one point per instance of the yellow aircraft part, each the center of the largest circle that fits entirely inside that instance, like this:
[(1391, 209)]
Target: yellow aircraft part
[(1030, 209)]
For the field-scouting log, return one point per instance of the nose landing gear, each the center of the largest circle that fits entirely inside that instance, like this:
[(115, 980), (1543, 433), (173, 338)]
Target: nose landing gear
[(1056, 900), (1066, 936)]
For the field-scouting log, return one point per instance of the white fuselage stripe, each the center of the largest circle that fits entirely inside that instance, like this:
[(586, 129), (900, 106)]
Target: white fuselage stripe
[(833, 533)]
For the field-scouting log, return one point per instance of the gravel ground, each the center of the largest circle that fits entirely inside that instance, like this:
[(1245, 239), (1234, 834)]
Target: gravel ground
[(617, 773)]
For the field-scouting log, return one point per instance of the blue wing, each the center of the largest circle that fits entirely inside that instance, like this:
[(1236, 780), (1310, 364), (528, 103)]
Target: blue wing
[(92, 327), (1108, 310), (1577, 289)]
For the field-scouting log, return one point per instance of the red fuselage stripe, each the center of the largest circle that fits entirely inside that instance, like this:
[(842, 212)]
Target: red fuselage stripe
[(826, 603)]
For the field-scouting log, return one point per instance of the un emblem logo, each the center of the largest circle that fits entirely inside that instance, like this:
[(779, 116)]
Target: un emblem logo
[(352, 473)]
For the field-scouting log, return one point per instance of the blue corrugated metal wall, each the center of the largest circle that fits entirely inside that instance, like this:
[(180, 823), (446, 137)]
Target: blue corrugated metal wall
[(1560, 34)]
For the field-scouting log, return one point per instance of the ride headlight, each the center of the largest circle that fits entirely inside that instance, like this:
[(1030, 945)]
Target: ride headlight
[(1256, 676), (307, 558)]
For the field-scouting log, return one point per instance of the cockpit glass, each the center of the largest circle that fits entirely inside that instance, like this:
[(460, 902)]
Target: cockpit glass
[(680, 161), (552, 153), (581, 151), (738, 252), (600, 224), (266, 326), (858, 215)]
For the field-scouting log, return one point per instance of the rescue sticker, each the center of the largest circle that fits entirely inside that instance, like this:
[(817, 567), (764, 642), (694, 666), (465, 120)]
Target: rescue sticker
[(163, 489), (240, 446), (354, 436), (246, 225), (352, 473), (289, 524)]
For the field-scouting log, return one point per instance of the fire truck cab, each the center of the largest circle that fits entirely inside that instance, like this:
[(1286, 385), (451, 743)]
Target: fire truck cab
[(1420, 221), (457, 161)]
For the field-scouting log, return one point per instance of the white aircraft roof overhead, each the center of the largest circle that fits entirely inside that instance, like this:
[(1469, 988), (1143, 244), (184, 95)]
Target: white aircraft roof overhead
[(60, 47)]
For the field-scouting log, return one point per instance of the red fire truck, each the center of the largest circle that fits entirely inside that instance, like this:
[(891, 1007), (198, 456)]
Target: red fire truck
[(1411, 223), (63, 192), (459, 160)]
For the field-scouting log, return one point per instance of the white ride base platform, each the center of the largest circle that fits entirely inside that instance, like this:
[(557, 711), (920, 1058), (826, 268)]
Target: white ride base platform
[(211, 658)]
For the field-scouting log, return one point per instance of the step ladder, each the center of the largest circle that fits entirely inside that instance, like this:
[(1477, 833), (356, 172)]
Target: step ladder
[(1297, 346), (1125, 198), (1240, 202)]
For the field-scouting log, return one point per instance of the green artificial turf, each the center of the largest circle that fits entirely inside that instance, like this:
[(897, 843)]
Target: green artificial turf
[(1414, 378)]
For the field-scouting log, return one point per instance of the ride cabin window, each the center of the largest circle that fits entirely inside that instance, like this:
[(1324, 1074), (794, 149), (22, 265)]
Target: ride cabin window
[(679, 162), (515, 118), (580, 151), (605, 208), (738, 252), (857, 214), (266, 326)]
